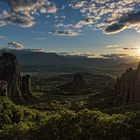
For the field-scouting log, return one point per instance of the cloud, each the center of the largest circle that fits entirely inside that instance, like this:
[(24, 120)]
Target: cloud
[(40, 38), (23, 12), (115, 56), (111, 16), (81, 23), (16, 19), (34, 50), (15, 45), (131, 20), (119, 47), (63, 33), (50, 9), (18, 46), (114, 46), (89, 55), (130, 49), (115, 28)]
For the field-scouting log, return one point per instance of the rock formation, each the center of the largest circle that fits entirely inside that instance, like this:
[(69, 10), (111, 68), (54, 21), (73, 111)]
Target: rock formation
[(77, 82), (26, 87), (3, 88), (77, 86), (127, 87), (9, 72), (135, 96)]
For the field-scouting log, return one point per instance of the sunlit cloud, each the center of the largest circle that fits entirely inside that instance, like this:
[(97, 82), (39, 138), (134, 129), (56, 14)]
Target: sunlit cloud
[(75, 54), (23, 12), (115, 56), (114, 46)]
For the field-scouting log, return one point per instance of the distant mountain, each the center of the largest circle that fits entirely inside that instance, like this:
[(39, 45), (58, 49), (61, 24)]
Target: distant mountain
[(30, 57), (42, 58)]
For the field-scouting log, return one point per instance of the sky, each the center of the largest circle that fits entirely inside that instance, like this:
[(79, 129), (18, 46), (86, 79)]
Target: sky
[(90, 27)]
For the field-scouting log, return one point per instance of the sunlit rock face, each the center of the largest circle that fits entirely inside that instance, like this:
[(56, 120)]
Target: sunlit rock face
[(10, 74), (127, 88)]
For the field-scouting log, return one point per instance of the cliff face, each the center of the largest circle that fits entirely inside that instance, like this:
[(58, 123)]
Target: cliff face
[(127, 88), (9, 72)]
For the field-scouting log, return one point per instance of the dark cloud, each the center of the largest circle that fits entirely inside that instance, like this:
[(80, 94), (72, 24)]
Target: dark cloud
[(130, 48), (15, 45), (114, 28), (130, 20), (114, 56), (63, 33), (18, 46)]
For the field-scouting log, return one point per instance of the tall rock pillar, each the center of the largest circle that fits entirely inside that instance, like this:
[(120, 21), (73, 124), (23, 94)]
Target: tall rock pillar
[(9, 72), (26, 87), (135, 97)]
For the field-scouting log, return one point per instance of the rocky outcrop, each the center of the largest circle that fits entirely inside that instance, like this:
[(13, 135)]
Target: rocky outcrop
[(9, 72), (127, 87), (77, 86), (135, 96), (26, 87), (3, 88), (78, 82)]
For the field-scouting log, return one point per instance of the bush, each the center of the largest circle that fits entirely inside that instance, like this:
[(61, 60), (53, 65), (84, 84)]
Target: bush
[(22, 123)]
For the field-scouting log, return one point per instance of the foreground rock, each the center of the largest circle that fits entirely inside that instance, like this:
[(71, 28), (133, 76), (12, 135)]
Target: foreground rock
[(9, 72)]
